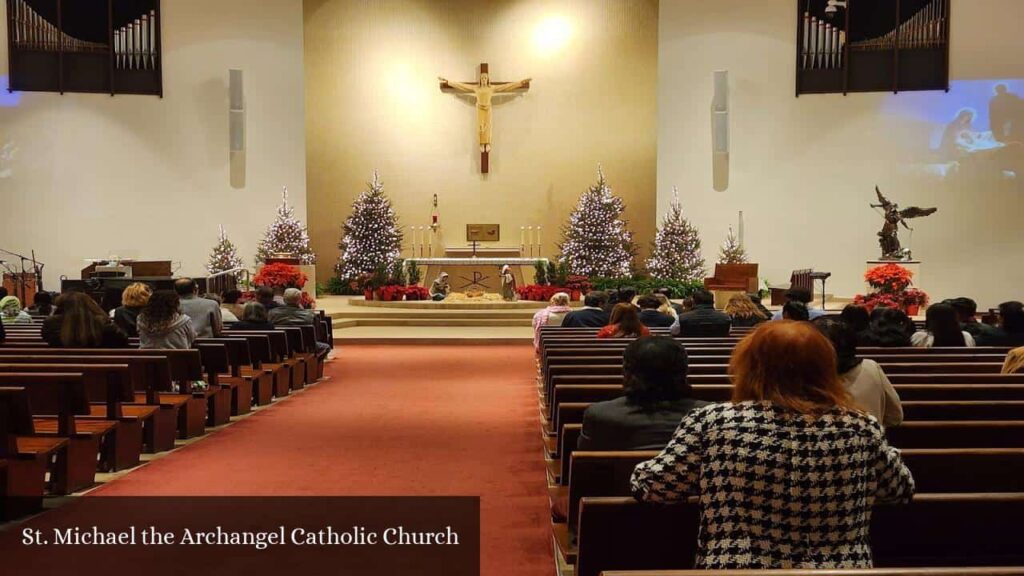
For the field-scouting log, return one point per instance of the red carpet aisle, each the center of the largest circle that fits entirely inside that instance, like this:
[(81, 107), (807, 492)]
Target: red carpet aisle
[(394, 420)]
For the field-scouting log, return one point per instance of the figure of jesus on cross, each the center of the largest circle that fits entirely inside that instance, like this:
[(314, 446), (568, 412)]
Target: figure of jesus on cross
[(483, 90)]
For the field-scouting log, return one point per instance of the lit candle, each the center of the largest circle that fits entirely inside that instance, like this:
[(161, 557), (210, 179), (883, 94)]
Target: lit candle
[(423, 239), (538, 241), (522, 237)]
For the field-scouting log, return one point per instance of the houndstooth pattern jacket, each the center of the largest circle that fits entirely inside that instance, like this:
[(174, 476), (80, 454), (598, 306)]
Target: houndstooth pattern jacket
[(778, 489)]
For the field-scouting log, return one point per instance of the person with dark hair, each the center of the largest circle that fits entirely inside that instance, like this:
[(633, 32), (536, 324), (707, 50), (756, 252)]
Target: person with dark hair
[(162, 325), (627, 294), (889, 328), (613, 299), (3, 292), (787, 473), (795, 310), (942, 328), (592, 315), (967, 312), (42, 304), (756, 299), (703, 320), (856, 317), (1011, 325), (743, 312), (803, 296), (863, 378), (231, 303), (265, 295), (624, 323), (254, 317), (205, 314), (133, 300), (649, 314), (657, 397), (79, 322)]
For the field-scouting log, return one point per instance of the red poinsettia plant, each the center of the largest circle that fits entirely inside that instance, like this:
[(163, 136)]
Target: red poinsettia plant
[(538, 293), (889, 278), (578, 283), (416, 293), (280, 276), (392, 292), (892, 289)]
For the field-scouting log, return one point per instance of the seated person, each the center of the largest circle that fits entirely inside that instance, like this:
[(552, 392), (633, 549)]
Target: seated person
[(795, 310), (667, 307), (293, 314), (786, 474), (889, 328), (703, 320), (1014, 363), (803, 296), (42, 304), (743, 312), (205, 314), (265, 295), (864, 379), (440, 288), (657, 397), (624, 323), (11, 312), (230, 303), (967, 312), (649, 314), (756, 299), (856, 317), (254, 317), (553, 315), (1011, 325), (79, 322), (627, 294), (162, 326), (133, 300), (667, 293), (941, 328), (592, 315), (226, 315), (613, 299)]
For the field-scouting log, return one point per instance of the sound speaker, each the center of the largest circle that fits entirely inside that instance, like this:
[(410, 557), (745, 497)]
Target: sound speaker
[(236, 128), (720, 131)]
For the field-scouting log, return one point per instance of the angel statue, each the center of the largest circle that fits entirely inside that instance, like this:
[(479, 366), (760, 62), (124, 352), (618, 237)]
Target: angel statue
[(888, 237)]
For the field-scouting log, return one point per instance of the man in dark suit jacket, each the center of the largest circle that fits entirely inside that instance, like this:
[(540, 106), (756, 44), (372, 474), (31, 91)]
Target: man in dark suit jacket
[(649, 315), (592, 315), (703, 320), (657, 398)]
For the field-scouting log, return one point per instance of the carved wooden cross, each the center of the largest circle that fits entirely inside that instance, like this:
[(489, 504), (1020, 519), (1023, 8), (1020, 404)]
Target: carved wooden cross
[(483, 90)]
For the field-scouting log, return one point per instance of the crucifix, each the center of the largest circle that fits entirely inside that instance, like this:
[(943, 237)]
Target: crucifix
[(483, 90)]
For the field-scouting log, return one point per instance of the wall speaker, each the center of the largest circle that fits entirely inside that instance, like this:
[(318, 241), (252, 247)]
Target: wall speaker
[(236, 127), (720, 131)]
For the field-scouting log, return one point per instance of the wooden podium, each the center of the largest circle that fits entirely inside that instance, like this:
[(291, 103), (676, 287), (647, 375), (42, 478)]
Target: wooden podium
[(140, 268), (23, 285)]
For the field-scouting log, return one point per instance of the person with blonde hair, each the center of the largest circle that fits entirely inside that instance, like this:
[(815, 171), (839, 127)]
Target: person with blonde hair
[(787, 473), (666, 307), (133, 300), (744, 312), (1014, 362), (550, 316)]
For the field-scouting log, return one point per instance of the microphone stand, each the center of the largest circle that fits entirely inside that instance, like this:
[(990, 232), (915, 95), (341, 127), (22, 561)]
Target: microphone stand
[(37, 269)]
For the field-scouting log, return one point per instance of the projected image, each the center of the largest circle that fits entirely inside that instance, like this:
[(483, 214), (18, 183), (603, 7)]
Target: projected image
[(974, 132)]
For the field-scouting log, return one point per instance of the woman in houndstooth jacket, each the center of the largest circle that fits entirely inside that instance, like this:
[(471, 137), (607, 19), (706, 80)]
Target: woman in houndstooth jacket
[(787, 473)]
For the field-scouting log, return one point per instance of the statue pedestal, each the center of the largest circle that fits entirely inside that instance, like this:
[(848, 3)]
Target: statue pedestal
[(913, 265)]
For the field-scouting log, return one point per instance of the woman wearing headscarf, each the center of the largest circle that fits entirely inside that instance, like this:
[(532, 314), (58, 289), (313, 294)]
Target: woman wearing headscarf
[(550, 316), (508, 284), (11, 312), (440, 288)]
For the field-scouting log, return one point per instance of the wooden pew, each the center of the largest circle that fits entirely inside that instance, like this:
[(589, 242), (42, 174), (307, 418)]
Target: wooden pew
[(108, 387), (153, 371), (228, 369), (63, 395), (25, 456), (933, 530), (266, 348)]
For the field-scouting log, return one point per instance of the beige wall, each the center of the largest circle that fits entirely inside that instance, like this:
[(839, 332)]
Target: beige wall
[(803, 169), (90, 175), (372, 101)]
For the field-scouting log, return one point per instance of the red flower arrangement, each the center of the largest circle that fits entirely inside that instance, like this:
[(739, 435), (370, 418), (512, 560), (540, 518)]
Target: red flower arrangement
[(892, 289), (889, 278), (392, 292), (416, 293), (576, 283), (280, 276), (538, 293)]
